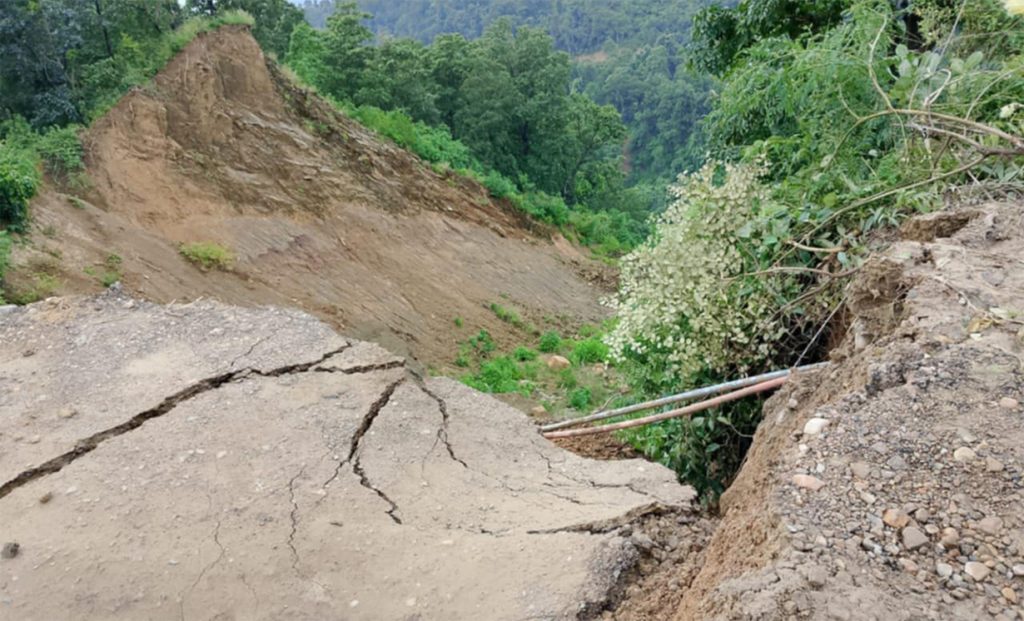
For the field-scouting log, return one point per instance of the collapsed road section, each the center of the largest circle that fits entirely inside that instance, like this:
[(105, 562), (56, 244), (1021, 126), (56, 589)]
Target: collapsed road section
[(206, 461)]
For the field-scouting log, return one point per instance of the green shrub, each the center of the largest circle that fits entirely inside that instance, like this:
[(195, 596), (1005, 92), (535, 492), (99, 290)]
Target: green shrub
[(482, 343), (580, 398), (502, 374), (567, 379), (5, 259), (589, 351), (19, 178), (458, 322), (61, 150), (207, 255), (550, 342), (499, 185), (524, 354)]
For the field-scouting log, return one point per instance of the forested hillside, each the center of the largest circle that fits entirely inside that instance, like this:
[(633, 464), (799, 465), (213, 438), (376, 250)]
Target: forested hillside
[(627, 54)]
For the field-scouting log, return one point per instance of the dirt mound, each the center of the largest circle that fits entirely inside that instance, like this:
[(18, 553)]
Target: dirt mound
[(319, 213), (904, 499), (215, 462)]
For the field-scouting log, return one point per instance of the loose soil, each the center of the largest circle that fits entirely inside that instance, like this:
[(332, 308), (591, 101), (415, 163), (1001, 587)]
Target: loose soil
[(319, 213)]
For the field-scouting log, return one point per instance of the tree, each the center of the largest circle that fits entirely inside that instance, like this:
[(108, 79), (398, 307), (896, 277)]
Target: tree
[(346, 53), (592, 131), (399, 77), (35, 42)]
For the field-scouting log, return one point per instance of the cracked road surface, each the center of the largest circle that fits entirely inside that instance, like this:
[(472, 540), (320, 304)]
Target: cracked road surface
[(203, 461)]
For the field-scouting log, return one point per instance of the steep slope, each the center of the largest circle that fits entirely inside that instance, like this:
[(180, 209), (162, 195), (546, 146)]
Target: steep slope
[(319, 212), (904, 500)]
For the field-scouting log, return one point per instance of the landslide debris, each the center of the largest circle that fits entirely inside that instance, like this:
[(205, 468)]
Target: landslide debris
[(317, 212), (909, 503), (315, 478)]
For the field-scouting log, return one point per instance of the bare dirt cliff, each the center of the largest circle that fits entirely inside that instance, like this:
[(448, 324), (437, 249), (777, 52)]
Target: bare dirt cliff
[(890, 487), (320, 213), (205, 461)]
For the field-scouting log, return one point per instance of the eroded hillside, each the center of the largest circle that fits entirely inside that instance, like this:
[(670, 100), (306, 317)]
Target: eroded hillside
[(318, 212), (889, 486)]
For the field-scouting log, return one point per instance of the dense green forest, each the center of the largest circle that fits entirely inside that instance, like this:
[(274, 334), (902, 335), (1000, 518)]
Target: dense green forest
[(628, 54)]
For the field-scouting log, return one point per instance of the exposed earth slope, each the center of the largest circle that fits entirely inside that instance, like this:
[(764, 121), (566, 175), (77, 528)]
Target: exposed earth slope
[(204, 461), (319, 212), (890, 486)]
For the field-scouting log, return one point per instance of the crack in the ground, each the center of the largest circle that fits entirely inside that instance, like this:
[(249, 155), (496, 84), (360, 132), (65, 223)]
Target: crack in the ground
[(248, 353), (357, 438), (293, 515), (590, 482), (365, 368), (207, 568), (91, 443), (600, 527), (442, 405)]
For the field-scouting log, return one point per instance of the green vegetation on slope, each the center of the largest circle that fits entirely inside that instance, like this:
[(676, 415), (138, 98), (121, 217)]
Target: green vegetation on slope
[(499, 108), (631, 55), (820, 137)]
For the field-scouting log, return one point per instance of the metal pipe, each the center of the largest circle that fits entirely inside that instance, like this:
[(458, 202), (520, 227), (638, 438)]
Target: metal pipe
[(657, 418), (690, 394)]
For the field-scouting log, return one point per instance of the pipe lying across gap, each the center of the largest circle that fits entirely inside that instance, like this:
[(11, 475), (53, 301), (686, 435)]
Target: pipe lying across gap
[(685, 396)]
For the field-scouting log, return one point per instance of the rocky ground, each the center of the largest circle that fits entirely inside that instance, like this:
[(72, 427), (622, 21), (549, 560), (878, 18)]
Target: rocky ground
[(204, 461), (890, 486)]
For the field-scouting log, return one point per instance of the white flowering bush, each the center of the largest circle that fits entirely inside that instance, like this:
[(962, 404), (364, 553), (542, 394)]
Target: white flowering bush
[(692, 302)]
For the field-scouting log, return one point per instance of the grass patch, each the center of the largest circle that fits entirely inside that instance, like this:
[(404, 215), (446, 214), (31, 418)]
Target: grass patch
[(550, 342), (109, 272), (207, 255)]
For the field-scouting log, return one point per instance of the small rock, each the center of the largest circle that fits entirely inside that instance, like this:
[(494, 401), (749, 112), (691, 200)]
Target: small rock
[(922, 515), (950, 537), (895, 518), (807, 481), (817, 576), (10, 549), (977, 570), (642, 541), (909, 566), (67, 413), (45, 498), (913, 538), (966, 435), (33, 439), (557, 363), (815, 426), (993, 465), (860, 469), (1018, 570), (538, 410), (1008, 403), (1009, 595), (943, 570), (964, 454), (991, 525)]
